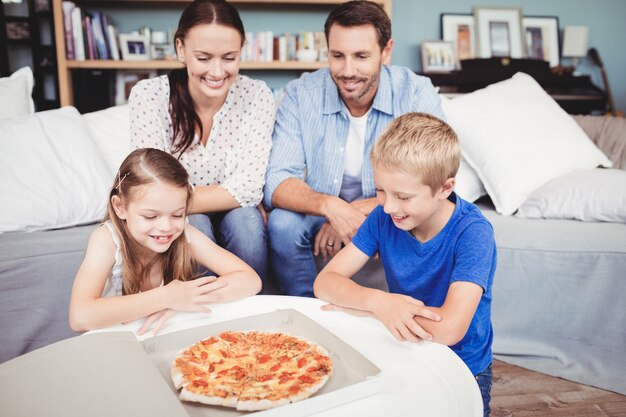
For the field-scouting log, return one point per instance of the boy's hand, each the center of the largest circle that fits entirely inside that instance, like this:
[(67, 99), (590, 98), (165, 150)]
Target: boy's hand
[(396, 312), (191, 295)]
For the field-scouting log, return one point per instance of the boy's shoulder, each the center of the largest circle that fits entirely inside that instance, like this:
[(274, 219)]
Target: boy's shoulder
[(469, 213)]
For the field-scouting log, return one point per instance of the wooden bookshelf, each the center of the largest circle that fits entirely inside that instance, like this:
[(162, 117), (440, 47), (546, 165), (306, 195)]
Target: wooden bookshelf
[(65, 66)]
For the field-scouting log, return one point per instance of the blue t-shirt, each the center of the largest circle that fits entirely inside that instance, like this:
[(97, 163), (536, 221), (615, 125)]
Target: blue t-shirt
[(464, 250)]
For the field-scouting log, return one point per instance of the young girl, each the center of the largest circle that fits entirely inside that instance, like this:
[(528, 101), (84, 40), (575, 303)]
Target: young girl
[(142, 260)]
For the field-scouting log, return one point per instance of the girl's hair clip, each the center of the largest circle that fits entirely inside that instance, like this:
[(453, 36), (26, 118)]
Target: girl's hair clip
[(119, 180)]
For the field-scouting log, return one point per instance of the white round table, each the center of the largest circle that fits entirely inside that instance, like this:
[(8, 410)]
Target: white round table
[(419, 379)]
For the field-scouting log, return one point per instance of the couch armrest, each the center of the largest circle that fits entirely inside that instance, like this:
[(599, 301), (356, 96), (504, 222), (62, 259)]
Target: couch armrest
[(609, 134)]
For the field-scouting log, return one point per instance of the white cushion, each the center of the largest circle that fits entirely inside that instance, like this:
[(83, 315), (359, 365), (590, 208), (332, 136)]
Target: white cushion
[(52, 173), (517, 138), (16, 94), (588, 195), (468, 185), (110, 130)]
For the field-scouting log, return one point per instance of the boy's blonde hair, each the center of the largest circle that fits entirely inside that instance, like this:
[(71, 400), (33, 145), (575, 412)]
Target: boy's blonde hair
[(421, 145)]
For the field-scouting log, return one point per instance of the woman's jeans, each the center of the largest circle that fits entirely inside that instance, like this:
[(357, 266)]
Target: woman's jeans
[(240, 231)]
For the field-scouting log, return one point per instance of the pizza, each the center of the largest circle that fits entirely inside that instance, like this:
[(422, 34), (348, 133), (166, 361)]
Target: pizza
[(251, 370)]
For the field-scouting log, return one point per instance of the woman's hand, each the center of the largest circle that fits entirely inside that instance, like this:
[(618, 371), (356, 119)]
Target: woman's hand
[(191, 295), (396, 312)]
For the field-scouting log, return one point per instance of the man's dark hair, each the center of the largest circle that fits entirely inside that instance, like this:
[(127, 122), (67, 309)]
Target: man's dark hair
[(358, 13)]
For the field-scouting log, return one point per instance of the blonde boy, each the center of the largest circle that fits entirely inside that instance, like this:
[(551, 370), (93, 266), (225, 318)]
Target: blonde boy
[(437, 250)]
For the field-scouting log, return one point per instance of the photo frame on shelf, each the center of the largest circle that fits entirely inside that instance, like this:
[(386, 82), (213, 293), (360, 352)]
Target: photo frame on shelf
[(459, 29), (499, 32), (17, 29), (125, 80), (541, 38), (438, 56), (134, 47)]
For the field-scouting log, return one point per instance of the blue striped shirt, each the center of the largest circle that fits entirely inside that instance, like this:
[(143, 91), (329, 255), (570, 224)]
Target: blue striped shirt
[(312, 124)]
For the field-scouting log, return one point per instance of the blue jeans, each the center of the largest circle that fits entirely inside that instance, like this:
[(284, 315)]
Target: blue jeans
[(240, 231), (291, 238), (484, 380)]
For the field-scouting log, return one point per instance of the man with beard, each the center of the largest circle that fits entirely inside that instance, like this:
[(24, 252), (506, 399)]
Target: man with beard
[(319, 181)]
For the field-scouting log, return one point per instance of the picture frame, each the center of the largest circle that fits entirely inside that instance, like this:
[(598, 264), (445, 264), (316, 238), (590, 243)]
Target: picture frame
[(541, 38), (134, 47), (125, 80), (459, 29), (499, 32), (438, 56), (17, 29)]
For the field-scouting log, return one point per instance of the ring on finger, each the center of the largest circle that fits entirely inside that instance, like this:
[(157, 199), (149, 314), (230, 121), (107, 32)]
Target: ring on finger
[(330, 244)]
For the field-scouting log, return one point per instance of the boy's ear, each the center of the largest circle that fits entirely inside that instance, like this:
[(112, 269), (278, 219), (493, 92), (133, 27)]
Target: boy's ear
[(447, 187), (118, 207)]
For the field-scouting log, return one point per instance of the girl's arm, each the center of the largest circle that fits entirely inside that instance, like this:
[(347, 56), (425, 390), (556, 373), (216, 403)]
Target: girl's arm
[(89, 310), (238, 277)]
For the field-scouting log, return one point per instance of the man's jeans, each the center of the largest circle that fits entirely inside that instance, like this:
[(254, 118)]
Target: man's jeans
[(240, 231), (291, 238)]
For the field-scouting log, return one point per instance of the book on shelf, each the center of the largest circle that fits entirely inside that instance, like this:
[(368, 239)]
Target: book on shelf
[(90, 51), (77, 34), (112, 37), (67, 7), (88, 35), (265, 47)]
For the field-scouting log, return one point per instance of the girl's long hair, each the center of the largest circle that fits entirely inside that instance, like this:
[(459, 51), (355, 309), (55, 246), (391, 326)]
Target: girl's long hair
[(142, 167), (182, 111)]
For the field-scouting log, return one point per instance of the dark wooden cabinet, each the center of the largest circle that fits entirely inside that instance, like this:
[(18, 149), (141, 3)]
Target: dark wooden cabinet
[(575, 94), (27, 38)]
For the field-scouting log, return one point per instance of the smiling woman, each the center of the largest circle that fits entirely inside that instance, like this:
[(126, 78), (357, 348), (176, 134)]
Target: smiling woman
[(218, 124)]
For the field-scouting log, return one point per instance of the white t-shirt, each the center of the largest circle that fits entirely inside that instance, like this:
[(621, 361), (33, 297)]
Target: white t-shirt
[(351, 188)]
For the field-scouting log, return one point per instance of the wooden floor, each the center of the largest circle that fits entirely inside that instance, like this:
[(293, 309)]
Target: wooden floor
[(518, 392)]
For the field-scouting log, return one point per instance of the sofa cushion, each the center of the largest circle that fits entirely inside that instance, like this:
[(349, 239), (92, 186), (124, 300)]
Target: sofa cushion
[(16, 94), (517, 138), (53, 175), (110, 130), (589, 195)]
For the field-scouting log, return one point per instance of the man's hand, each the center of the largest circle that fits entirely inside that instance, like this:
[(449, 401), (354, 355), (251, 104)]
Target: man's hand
[(327, 242), (344, 218), (396, 312)]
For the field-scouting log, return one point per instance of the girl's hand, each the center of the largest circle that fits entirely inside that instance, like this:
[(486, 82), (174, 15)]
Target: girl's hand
[(160, 317), (353, 311), (191, 295), (396, 312)]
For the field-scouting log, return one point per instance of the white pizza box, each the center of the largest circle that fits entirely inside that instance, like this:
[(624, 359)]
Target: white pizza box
[(108, 374)]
